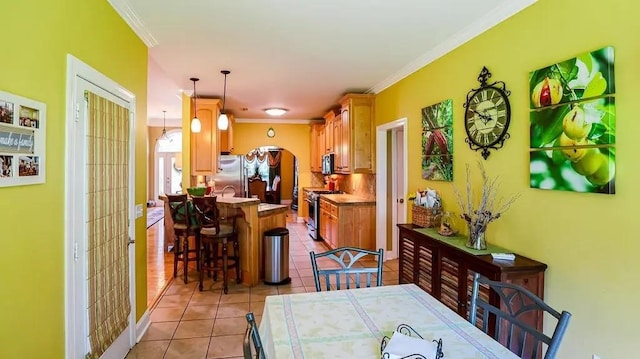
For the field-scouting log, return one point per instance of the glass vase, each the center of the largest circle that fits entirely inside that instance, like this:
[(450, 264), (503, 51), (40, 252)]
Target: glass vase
[(448, 225), (476, 239)]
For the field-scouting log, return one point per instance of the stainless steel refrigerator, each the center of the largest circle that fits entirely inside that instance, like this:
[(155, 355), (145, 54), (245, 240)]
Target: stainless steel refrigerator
[(232, 173)]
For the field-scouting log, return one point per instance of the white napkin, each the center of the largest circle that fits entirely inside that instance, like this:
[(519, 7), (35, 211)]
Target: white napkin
[(401, 345)]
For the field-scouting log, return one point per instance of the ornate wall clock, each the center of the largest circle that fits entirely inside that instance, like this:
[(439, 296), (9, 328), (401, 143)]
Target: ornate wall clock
[(487, 115)]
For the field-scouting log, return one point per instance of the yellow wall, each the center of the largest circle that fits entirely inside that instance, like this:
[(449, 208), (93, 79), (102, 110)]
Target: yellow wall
[(587, 240), (294, 138), (37, 35)]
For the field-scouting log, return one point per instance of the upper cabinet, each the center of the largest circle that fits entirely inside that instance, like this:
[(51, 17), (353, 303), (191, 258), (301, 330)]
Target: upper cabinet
[(226, 137), (329, 140), (316, 146), (205, 145), (354, 146)]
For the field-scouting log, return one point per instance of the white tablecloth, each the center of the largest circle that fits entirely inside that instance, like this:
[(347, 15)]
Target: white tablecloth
[(352, 323)]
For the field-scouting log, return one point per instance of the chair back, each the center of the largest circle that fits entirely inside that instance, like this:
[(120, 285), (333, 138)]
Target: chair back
[(344, 267), (258, 187), (510, 328), (179, 208), (207, 212), (252, 343)]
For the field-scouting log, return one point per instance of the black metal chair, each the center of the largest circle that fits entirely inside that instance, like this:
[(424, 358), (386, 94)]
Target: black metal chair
[(347, 265), (252, 337), (516, 303), (216, 230), (183, 228)]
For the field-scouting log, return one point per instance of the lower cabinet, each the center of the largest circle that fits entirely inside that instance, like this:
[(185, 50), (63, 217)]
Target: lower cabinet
[(447, 272), (347, 225)]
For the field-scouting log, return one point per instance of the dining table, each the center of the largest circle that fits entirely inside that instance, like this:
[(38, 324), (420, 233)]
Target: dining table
[(353, 323)]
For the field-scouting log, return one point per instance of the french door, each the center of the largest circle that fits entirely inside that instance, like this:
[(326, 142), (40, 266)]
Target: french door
[(100, 255), (169, 175)]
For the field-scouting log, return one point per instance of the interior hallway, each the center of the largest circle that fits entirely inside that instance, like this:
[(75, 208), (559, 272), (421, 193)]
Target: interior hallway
[(187, 323)]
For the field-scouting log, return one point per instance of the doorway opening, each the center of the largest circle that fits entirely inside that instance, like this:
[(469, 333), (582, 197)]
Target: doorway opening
[(391, 184), (166, 170)]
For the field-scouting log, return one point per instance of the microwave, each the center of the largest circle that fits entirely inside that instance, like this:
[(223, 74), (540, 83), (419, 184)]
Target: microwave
[(327, 164)]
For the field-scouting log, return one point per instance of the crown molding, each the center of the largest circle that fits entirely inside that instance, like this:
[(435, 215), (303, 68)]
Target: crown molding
[(293, 121), (123, 8), (476, 28)]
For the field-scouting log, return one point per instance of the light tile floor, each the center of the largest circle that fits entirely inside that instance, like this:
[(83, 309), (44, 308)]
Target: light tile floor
[(187, 323)]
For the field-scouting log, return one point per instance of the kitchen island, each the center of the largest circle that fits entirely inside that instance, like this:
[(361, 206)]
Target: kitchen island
[(255, 219)]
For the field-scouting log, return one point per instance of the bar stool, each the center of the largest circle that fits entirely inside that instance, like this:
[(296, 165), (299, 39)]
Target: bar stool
[(216, 230), (183, 228)]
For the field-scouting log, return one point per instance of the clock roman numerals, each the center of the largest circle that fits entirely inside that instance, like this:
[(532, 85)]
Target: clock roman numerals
[(487, 115)]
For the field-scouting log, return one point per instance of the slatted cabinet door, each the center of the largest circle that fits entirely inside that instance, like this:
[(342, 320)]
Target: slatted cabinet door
[(425, 268), (407, 256), (449, 283)]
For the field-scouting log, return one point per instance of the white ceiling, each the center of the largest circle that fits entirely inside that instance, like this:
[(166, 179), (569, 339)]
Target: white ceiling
[(298, 54)]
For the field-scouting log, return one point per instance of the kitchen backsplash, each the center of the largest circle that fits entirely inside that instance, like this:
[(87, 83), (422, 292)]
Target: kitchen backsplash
[(362, 185)]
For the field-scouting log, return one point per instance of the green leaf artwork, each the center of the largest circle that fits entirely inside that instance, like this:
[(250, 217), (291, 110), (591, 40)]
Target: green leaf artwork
[(585, 76), (573, 124), (437, 141)]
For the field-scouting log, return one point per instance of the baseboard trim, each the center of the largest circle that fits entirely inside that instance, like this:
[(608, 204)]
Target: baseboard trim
[(143, 325)]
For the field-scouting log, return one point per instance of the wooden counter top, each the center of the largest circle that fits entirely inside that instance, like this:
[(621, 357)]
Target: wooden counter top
[(237, 202), (233, 202), (311, 189), (267, 209), (347, 199)]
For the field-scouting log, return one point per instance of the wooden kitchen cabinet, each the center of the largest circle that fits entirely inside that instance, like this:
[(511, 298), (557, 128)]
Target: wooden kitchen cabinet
[(329, 138), (355, 149), (226, 137), (317, 143), (446, 272), (347, 225), (205, 145)]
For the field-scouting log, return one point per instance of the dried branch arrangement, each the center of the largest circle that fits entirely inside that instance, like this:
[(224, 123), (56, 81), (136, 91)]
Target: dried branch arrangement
[(490, 207)]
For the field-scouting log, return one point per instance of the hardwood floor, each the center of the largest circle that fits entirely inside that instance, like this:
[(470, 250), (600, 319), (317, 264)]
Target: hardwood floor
[(159, 263)]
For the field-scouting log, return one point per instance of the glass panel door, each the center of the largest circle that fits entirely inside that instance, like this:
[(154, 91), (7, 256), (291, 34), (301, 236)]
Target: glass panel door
[(169, 177)]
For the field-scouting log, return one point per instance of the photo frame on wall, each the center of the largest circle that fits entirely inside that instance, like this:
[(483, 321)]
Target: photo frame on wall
[(22, 140), (437, 141), (573, 124)]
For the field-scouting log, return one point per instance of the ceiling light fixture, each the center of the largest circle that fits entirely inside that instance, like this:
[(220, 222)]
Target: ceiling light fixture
[(223, 119), (164, 137), (275, 111), (196, 125)]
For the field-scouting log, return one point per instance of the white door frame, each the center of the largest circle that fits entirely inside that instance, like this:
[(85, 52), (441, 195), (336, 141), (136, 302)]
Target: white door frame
[(77, 73), (382, 179)]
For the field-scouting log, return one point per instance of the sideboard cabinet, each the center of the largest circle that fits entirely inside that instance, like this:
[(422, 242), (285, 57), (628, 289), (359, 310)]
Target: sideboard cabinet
[(446, 272)]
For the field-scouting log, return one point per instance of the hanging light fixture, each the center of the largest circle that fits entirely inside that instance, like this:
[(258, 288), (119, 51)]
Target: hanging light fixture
[(196, 126), (223, 119), (164, 137)]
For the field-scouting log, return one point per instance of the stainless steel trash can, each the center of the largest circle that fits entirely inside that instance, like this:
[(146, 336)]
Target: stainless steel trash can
[(276, 256)]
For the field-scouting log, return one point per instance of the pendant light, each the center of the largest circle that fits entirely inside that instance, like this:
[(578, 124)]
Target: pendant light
[(223, 119), (164, 137), (196, 126)]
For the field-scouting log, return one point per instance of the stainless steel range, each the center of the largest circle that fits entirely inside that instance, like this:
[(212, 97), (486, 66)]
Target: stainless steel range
[(313, 219)]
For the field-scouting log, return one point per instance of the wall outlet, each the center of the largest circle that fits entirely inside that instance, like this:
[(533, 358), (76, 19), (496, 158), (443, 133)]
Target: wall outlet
[(138, 210)]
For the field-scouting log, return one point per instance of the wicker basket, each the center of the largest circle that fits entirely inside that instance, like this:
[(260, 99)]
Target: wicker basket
[(425, 217)]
